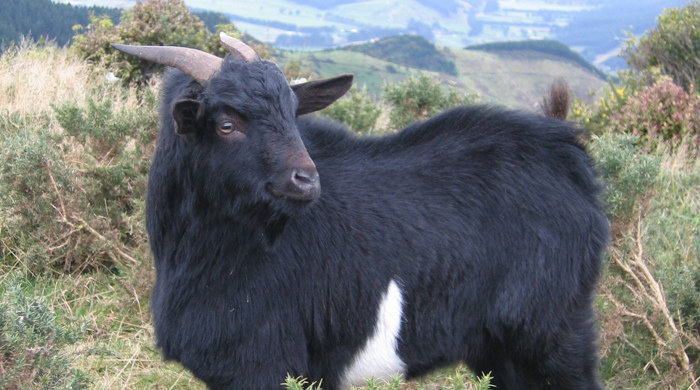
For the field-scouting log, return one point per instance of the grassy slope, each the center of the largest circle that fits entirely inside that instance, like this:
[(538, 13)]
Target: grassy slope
[(516, 79)]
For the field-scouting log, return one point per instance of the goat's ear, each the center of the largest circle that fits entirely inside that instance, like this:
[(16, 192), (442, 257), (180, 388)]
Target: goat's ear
[(188, 114), (319, 94)]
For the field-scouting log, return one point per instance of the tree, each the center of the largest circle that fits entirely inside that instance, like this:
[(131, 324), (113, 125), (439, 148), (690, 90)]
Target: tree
[(673, 46), (150, 22)]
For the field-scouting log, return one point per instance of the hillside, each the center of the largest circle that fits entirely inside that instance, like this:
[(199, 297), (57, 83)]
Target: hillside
[(545, 46), (592, 27), (45, 19), (49, 20), (410, 50), (512, 78)]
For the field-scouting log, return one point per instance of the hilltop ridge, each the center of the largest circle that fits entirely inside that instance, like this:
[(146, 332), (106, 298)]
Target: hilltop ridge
[(515, 78)]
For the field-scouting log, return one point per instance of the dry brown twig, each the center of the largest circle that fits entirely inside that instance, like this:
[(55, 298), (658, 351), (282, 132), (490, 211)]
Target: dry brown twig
[(645, 288), (78, 223)]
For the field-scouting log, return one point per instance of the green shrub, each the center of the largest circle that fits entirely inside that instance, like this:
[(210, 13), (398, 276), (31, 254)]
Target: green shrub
[(32, 337), (355, 110), (626, 171), (420, 97), (650, 296), (596, 119), (295, 69), (660, 113), (73, 199), (27, 195)]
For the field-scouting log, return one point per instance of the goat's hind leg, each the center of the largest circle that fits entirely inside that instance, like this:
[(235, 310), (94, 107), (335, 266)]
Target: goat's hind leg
[(572, 361), (509, 374)]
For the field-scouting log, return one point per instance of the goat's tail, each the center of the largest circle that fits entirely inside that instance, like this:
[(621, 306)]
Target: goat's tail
[(556, 103)]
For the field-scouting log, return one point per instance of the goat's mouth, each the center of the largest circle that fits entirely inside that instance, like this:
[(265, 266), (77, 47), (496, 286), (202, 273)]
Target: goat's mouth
[(304, 193)]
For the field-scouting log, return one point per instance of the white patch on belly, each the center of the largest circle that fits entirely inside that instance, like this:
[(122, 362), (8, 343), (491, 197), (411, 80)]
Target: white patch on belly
[(379, 357)]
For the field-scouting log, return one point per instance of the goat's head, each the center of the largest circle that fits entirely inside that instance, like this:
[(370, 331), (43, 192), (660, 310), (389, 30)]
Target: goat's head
[(242, 112)]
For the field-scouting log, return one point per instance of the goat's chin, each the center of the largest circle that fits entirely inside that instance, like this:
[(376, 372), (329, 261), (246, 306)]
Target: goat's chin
[(292, 207), (289, 205), (272, 218)]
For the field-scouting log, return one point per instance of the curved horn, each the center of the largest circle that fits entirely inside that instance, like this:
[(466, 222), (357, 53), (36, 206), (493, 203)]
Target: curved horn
[(195, 63), (238, 48)]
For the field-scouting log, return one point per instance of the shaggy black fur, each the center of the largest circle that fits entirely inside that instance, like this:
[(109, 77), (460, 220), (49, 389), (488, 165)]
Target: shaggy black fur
[(487, 219)]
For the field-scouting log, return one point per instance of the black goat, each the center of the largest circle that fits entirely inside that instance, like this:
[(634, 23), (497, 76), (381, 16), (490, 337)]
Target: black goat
[(286, 245)]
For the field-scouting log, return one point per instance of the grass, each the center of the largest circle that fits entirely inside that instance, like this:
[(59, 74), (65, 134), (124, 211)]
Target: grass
[(76, 273)]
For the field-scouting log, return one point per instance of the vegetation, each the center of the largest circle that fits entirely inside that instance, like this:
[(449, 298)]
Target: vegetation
[(356, 110), (643, 134), (673, 46), (418, 98), (146, 23), (660, 113), (76, 273), (74, 262)]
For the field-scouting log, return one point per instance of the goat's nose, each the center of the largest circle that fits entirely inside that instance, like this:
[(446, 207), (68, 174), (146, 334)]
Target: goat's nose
[(304, 176), (304, 183)]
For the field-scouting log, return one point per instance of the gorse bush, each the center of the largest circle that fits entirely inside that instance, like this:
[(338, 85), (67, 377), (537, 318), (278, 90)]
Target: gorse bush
[(32, 337), (650, 295), (660, 112), (596, 119), (356, 110), (627, 173), (73, 198), (418, 98)]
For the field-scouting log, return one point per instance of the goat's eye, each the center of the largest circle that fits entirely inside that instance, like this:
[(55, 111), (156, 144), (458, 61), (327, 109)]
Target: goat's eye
[(226, 127), (230, 126)]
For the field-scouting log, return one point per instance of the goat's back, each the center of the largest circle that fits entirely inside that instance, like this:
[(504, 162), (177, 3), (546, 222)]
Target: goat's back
[(488, 218)]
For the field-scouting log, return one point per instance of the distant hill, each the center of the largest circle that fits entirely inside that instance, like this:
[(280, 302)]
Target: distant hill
[(409, 50), (514, 78), (45, 19), (593, 28), (54, 21), (543, 46)]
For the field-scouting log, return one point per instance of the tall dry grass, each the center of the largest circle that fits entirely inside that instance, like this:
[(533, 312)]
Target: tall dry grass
[(34, 78)]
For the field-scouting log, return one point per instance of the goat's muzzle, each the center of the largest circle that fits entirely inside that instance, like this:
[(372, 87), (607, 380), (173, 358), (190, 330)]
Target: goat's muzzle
[(300, 183)]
